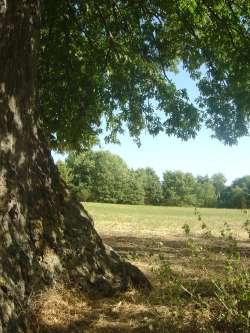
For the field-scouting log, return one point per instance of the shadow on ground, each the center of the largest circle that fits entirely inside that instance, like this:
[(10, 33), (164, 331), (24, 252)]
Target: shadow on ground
[(135, 312)]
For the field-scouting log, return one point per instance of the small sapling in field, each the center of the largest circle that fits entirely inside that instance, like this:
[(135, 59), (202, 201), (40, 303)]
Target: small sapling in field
[(186, 229)]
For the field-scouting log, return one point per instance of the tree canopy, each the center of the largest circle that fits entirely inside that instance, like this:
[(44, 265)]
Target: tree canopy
[(110, 60), (104, 177), (98, 176)]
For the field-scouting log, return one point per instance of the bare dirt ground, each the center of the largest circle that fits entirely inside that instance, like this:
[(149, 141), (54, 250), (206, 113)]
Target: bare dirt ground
[(181, 272), (194, 262)]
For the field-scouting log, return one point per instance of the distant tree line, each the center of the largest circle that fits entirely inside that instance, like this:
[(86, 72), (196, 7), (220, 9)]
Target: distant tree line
[(104, 177)]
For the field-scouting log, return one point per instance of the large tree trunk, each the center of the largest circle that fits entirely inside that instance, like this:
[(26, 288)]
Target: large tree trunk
[(44, 233)]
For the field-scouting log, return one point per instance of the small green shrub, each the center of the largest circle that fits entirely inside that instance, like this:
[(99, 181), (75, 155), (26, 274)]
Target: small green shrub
[(232, 295), (186, 229), (224, 297)]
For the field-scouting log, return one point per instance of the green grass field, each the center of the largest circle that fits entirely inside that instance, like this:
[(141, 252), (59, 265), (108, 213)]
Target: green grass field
[(166, 222)]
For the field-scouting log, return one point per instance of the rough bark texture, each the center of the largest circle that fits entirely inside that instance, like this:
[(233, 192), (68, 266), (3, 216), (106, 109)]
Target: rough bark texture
[(45, 235)]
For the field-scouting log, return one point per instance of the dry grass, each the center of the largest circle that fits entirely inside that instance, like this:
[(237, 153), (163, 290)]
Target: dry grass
[(182, 272), (65, 310), (56, 308), (173, 306)]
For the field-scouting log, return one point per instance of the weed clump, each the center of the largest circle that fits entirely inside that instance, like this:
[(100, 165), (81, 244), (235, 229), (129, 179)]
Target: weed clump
[(219, 301)]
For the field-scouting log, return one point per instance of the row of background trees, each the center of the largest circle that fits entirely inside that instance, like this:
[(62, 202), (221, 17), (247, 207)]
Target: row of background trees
[(104, 177)]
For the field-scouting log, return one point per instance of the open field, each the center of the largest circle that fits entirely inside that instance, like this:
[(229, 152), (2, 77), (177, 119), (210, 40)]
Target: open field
[(165, 222), (201, 280)]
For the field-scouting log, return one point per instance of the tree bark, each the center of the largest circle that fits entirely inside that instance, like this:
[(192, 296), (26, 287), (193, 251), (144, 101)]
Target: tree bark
[(45, 234)]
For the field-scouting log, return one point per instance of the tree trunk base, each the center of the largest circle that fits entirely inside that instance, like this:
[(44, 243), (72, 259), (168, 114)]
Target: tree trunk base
[(67, 248)]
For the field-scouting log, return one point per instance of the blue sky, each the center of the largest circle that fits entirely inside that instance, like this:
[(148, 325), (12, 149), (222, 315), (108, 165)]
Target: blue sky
[(199, 156), (202, 155)]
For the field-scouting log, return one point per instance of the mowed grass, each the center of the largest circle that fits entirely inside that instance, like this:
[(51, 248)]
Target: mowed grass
[(164, 222)]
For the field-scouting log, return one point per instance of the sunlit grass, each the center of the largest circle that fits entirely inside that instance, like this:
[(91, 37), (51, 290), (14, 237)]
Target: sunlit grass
[(200, 284), (147, 221)]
